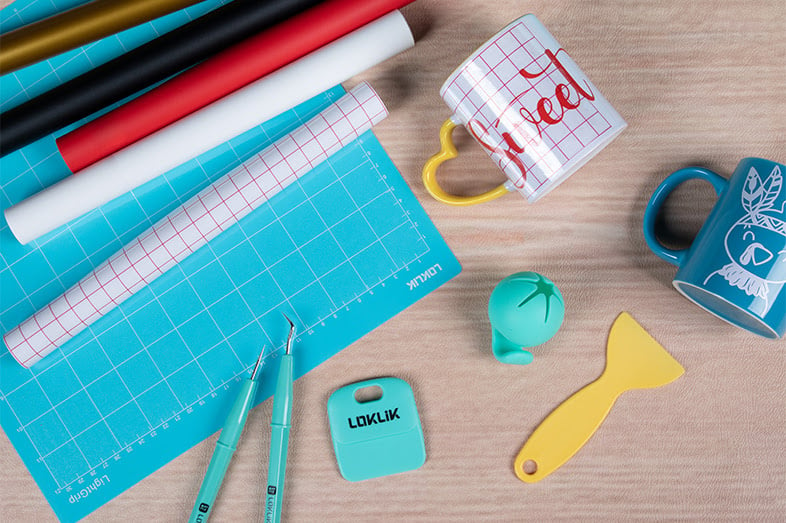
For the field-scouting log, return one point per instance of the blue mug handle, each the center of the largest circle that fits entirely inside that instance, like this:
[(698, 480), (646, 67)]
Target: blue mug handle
[(675, 256)]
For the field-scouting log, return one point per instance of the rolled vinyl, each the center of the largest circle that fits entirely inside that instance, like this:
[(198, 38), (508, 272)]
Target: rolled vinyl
[(205, 129), (78, 26), (192, 225), (218, 77), (140, 68)]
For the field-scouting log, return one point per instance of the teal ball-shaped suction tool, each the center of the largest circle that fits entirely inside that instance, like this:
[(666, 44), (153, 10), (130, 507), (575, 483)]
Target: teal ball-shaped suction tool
[(525, 309)]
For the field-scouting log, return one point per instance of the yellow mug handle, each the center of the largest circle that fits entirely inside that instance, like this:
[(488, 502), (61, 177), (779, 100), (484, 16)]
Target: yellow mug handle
[(449, 152)]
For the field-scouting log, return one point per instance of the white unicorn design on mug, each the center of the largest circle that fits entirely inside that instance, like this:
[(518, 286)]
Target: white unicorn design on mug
[(757, 241)]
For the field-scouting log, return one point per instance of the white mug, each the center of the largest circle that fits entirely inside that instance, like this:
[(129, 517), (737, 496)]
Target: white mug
[(530, 107)]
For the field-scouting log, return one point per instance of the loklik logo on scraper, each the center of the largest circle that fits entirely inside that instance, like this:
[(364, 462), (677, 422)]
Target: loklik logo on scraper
[(373, 418)]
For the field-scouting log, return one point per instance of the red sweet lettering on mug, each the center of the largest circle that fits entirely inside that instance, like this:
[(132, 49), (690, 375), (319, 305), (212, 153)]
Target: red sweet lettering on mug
[(511, 152), (544, 113), (544, 109)]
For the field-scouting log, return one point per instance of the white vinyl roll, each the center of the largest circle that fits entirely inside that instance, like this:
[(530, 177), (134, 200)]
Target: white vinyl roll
[(189, 227), (209, 127)]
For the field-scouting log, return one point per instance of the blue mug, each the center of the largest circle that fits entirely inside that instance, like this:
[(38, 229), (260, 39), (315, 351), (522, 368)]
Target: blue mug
[(736, 266)]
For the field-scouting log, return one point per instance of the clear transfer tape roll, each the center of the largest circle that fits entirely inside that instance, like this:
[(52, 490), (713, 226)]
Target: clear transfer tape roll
[(209, 127), (192, 225)]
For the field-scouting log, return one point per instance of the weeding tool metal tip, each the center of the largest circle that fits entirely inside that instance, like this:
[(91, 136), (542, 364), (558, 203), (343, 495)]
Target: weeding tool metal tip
[(290, 336), (256, 365)]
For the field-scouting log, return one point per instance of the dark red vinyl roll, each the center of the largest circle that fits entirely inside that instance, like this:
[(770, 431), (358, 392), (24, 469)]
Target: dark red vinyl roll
[(219, 76)]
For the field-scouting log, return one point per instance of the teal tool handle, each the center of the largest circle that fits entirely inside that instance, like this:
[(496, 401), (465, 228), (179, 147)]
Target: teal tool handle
[(212, 482), (279, 445), (279, 441), (282, 398), (225, 447)]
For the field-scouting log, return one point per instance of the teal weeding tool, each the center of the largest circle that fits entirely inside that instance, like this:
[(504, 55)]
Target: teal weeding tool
[(225, 447), (280, 422)]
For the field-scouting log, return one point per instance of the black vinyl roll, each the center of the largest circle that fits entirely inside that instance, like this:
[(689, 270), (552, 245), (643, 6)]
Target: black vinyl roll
[(141, 67)]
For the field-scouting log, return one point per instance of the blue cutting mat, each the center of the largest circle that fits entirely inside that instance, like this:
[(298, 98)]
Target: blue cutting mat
[(342, 251)]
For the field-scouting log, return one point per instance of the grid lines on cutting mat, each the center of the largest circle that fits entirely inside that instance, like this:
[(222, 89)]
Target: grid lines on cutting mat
[(104, 416)]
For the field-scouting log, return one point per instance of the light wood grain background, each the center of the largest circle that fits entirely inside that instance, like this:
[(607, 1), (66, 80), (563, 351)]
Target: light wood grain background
[(699, 83)]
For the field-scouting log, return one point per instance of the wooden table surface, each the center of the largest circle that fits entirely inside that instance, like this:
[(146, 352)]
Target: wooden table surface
[(699, 83)]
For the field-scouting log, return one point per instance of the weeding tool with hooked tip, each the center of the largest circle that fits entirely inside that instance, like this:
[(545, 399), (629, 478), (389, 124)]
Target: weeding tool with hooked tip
[(280, 423)]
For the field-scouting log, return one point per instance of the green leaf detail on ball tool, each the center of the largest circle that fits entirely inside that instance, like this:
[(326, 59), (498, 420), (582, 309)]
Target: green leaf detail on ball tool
[(547, 289)]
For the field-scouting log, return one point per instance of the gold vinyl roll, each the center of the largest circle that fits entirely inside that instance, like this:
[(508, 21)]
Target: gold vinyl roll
[(78, 26)]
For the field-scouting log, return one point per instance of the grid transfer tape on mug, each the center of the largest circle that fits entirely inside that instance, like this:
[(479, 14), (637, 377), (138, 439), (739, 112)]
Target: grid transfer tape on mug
[(531, 108)]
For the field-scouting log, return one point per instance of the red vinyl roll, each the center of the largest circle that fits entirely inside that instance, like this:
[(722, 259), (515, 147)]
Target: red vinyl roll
[(216, 77)]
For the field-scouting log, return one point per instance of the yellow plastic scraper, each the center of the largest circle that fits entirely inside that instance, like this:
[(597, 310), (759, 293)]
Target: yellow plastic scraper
[(634, 360)]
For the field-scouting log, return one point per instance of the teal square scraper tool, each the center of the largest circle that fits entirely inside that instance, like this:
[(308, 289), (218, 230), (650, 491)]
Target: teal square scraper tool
[(378, 437)]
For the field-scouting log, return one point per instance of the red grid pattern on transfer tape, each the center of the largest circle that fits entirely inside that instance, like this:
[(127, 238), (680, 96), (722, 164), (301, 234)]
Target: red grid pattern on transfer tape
[(189, 227), (490, 90)]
